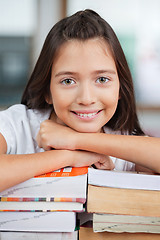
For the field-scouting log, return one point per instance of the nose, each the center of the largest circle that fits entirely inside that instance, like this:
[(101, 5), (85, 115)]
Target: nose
[(86, 95)]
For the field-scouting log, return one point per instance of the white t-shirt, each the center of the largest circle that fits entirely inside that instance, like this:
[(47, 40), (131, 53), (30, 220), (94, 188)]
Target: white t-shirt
[(20, 125)]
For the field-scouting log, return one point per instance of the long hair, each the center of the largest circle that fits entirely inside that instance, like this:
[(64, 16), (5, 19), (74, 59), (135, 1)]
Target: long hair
[(82, 26)]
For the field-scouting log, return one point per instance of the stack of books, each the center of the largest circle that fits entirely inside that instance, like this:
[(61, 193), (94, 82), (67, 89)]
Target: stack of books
[(120, 205), (47, 203), (122, 202)]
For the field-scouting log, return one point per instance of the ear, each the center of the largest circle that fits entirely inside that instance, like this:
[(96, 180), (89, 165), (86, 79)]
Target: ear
[(48, 100)]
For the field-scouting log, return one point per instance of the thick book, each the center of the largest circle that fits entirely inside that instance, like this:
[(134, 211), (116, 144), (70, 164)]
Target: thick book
[(123, 201), (54, 186), (61, 190), (127, 180), (38, 221), (39, 235), (123, 223), (123, 193)]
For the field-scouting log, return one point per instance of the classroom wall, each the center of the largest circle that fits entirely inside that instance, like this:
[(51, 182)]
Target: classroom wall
[(25, 23)]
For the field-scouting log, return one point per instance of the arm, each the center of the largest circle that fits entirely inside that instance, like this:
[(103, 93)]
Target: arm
[(143, 151), (18, 168)]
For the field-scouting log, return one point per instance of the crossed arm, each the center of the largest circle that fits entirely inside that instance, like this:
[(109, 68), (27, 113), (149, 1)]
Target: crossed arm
[(16, 168), (141, 150), (76, 149)]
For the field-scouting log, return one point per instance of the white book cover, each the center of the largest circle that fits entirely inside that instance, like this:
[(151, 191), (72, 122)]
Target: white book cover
[(39, 236), (38, 221), (126, 180), (64, 183)]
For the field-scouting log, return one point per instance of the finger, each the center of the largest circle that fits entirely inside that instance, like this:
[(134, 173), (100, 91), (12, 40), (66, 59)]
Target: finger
[(47, 148), (107, 165), (38, 140)]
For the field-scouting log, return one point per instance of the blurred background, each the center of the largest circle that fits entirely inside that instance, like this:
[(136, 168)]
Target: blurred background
[(24, 25)]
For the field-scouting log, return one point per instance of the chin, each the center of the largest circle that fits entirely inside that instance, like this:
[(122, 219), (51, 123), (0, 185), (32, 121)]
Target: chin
[(88, 130)]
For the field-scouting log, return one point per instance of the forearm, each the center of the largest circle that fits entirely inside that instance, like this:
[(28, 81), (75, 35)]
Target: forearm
[(144, 151), (18, 168)]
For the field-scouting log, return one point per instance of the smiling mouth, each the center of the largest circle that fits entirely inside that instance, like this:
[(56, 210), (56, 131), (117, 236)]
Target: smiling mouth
[(87, 115)]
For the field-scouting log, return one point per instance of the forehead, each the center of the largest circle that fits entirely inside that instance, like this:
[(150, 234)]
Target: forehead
[(96, 49)]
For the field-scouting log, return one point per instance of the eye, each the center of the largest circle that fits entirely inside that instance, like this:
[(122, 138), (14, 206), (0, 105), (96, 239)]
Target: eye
[(68, 81), (102, 80)]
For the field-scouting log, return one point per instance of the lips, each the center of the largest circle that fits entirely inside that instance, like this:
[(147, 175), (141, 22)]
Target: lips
[(86, 114)]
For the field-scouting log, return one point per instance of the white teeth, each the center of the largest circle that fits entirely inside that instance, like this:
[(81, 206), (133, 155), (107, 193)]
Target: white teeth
[(85, 115)]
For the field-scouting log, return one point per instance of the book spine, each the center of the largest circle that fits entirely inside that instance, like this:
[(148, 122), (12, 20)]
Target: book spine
[(48, 199), (77, 211)]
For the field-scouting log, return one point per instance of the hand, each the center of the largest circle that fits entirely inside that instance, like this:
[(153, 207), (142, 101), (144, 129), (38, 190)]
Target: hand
[(53, 135), (105, 163), (84, 158)]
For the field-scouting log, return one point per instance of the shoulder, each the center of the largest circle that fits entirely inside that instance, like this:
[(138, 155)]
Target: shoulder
[(20, 112), (18, 118), (14, 109), (19, 124), (13, 114)]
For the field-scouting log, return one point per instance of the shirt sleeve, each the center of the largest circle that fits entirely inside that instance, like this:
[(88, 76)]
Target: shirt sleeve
[(7, 130), (122, 165), (19, 126)]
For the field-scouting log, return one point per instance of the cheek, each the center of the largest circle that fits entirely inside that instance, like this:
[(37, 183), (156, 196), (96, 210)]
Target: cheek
[(60, 101), (110, 100)]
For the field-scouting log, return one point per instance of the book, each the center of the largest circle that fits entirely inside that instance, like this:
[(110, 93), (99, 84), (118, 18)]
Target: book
[(61, 190), (46, 203), (127, 180), (114, 192), (123, 201), (39, 205), (39, 235), (124, 223), (64, 183), (38, 221), (86, 233)]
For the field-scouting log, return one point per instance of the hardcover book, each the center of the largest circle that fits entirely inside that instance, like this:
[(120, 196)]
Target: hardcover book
[(123, 193), (123, 201), (39, 235), (38, 221), (127, 180), (61, 190)]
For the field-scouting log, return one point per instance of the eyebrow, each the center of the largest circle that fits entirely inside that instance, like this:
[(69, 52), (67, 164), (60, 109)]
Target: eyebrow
[(65, 73), (110, 71)]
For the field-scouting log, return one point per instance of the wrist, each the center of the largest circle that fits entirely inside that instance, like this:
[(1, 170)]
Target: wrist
[(79, 141)]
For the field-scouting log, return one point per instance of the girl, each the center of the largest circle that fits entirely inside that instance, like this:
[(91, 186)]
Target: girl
[(81, 88)]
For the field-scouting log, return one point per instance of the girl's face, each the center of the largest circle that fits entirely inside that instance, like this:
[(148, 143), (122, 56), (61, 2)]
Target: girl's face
[(84, 85)]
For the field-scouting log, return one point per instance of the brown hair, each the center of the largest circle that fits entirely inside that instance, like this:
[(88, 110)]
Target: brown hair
[(84, 25)]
